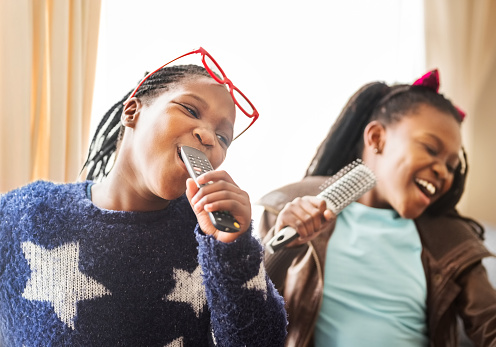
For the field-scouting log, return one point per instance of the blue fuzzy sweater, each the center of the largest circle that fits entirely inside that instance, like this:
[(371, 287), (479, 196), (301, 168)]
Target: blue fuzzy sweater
[(72, 274)]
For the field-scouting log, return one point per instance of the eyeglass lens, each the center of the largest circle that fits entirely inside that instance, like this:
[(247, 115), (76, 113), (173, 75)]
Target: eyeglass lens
[(221, 78)]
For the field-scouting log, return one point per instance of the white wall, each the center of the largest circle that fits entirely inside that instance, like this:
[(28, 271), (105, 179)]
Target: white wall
[(297, 61)]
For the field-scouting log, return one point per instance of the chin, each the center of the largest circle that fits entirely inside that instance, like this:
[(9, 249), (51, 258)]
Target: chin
[(169, 195), (172, 195), (408, 210), (411, 213)]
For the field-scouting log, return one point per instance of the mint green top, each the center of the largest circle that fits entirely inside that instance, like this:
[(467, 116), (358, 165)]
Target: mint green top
[(374, 283)]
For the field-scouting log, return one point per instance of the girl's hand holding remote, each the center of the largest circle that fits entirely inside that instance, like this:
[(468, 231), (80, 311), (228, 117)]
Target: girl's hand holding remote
[(219, 194)]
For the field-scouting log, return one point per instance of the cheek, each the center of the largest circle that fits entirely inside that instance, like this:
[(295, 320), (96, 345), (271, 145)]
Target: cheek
[(152, 144), (157, 131), (448, 184), (218, 158), (401, 158), (395, 171), (150, 141), (392, 163)]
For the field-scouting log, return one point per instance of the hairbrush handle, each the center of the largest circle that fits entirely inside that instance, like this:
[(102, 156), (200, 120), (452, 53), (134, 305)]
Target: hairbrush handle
[(354, 180)]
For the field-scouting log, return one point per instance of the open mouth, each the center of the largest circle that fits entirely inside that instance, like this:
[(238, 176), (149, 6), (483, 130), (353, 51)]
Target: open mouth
[(179, 154), (426, 187)]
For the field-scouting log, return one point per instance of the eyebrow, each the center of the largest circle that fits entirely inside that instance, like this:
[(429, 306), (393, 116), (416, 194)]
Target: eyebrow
[(435, 137), (198, 98), (440, 142)]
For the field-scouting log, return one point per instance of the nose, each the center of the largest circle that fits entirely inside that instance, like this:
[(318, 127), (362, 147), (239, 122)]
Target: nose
[(441, 169), (205, 136)]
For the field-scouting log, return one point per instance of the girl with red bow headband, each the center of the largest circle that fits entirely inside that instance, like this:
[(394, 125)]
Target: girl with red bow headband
[(399, 265)]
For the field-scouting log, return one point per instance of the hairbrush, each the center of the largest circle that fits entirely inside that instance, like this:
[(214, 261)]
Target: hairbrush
[(340, 190)]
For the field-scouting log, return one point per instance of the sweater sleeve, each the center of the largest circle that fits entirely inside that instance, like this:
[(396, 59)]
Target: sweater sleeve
[(3, 243), (246, 309), (9, 216)]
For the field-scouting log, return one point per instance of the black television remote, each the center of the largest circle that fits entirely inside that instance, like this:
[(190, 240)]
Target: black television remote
[(197, 164)]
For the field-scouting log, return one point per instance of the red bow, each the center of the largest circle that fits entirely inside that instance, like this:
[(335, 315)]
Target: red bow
[(431, 80)]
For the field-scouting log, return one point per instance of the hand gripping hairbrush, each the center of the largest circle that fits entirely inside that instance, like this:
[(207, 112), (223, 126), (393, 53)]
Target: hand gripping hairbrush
[(349, 184)]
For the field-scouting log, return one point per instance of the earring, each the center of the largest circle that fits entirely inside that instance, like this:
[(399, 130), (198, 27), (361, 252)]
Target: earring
[(376, 150)]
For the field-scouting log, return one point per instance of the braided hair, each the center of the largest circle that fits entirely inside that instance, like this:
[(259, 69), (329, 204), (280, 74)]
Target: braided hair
[(108, 134), (387, 104)]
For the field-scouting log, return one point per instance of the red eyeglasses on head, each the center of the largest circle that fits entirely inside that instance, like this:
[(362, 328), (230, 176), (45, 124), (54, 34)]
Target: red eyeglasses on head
[(216, 72)]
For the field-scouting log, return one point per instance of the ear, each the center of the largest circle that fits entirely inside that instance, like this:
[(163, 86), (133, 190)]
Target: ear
[(131, 112), (374, 137)]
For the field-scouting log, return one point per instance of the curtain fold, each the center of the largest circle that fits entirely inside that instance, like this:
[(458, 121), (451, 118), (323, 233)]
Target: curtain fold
[(47, 72), (460, 41)]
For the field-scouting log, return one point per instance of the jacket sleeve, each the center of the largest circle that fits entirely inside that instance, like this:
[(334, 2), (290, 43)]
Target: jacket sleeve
[(276, 264), (246, 309), (477, 305)]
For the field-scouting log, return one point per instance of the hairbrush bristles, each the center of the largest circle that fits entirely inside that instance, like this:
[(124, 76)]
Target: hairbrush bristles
[(352, 182)]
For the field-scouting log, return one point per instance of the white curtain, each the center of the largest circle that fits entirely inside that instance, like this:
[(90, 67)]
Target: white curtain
[(47, 70), (461, 42)]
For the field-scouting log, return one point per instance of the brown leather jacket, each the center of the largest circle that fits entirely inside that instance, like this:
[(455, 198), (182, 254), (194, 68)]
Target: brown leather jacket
[(457, 282)]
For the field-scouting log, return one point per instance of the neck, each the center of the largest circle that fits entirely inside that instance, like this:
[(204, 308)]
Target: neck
[(120, 193), (372, 199)]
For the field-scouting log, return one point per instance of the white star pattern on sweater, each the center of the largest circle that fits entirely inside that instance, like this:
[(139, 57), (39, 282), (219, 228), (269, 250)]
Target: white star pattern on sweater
[(189, 289), (179, 342), (258, 282), (55, 277)]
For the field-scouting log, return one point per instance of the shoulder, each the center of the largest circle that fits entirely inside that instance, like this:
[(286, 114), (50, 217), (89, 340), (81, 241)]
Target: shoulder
[(26, 194), (38, 193), (447, 231), (40, 188), (276, 199), (23, 208)]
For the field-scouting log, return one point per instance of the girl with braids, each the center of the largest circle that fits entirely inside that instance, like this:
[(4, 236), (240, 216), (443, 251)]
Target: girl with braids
[(396, 267), (129, 257)]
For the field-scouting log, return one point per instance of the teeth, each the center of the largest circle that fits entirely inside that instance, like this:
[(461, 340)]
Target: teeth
[(427, 185)]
